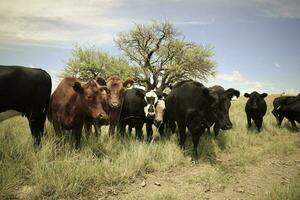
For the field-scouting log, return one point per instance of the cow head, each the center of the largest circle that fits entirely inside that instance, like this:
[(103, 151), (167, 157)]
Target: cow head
[(151, 99), (220, 105), (116, 89), (255, 99), (159, 112), (92, 99)]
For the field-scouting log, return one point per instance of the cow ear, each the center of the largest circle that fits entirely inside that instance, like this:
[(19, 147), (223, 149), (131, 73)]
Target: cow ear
[(77, 87), (264, 95), (159, 94), (128, 83), (246, 95), (100, 81), (232, 92)]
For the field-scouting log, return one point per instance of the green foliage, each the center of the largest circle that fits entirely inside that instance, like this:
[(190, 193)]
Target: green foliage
[(163, 56), (87, 63)]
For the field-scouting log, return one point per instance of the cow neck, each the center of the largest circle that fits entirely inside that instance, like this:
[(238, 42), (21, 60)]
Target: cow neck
[(74, 112)]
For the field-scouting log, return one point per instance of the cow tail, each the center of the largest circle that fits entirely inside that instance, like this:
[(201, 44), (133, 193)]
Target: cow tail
[(47, 109)]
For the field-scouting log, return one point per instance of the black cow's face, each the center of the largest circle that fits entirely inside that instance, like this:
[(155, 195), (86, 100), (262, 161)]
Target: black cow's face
[(221, 106), (255, 99)]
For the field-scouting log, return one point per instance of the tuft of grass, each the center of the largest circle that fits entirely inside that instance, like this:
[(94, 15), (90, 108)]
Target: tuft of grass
[(287, 192)]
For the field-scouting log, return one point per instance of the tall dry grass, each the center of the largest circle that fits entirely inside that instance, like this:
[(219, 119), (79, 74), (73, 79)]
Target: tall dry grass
[(57, 171)]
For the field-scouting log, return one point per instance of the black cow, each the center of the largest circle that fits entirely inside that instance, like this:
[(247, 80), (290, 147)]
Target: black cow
[(291, 111), (224, 97), (140, 107), (280, 101), (256, 108), (132, 113), (191, 105), (26, 90)]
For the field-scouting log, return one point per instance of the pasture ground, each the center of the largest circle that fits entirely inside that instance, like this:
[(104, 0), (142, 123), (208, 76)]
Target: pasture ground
[(238, 164)]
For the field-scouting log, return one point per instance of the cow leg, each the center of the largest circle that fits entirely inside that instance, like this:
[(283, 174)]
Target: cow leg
[(122, 127), (139, 132), (182, 133), (161, 130), (294, 126), (196, 138), (88, 128), (129, 129), (77, 134), (279, 120), (97, 131), (111, 129), (216, 129), (249, 121), (258, 123), (149, 131), (36, 124)]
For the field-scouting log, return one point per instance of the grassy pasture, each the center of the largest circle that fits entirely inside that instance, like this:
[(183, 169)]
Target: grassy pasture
[(104, 164)]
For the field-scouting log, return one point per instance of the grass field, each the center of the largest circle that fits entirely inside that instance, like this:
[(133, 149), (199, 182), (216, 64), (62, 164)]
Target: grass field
[(104, 166)]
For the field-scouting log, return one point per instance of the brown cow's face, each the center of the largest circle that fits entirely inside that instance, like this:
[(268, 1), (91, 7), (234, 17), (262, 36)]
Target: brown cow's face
[(92, 99), (116, 89)]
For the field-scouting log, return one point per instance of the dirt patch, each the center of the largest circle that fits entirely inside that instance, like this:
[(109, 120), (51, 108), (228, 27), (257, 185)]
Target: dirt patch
[(187, 183)]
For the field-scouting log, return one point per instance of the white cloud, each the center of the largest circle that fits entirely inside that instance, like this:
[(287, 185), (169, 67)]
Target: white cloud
[(61, 22), (237, 80), (277, 65), (233, 76)]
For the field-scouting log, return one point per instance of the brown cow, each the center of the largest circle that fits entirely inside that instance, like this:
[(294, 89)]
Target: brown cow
[(71, 103), (116, 88)]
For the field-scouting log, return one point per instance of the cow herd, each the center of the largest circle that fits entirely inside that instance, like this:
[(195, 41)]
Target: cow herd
[(75, 105)]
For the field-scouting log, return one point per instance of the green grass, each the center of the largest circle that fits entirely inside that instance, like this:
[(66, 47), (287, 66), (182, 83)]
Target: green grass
[(287, 192), (57, 171)]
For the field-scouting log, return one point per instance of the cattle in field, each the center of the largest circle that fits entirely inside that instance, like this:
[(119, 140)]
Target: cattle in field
[(224, 97), (139, 108), (132, 113), (116, 88), (287, 108), (191, 105), (72, 103), (255, 108), (115, 94), (26, 90), (281, 101)]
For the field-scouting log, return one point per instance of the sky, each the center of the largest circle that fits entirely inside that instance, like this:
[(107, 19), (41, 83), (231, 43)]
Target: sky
[(256, 42)]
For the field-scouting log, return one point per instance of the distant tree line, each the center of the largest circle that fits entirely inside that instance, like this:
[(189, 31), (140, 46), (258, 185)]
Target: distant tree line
[(155, 55)]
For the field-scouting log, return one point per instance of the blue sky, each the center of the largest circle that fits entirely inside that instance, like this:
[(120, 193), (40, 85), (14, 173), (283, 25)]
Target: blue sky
[(256, 42)]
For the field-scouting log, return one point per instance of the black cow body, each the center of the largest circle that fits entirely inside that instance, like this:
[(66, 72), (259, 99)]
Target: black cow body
[(191, 105), (132, 113), (291, 111), (281, 101), (26, 90), (255, 108)]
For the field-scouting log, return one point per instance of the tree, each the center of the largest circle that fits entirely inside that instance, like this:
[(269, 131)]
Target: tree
[(163, 56), (87, 63)]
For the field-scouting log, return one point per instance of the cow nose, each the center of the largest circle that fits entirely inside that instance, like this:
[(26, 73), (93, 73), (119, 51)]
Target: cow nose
[(229, 126), (114, 104), (157, 123), (151, 115)]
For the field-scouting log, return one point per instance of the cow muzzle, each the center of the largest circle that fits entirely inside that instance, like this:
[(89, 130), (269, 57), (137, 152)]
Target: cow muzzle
[(151, 115), (157, 123)]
